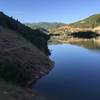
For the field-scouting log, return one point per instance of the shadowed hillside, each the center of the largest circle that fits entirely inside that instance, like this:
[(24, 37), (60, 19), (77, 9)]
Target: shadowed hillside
[(36, 37), (22, 59)]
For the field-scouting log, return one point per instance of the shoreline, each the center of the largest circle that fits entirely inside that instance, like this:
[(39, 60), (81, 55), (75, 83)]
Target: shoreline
[(69, 40)]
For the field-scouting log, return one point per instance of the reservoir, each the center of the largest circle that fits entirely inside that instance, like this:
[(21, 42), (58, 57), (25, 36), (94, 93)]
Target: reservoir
[(75, 76)]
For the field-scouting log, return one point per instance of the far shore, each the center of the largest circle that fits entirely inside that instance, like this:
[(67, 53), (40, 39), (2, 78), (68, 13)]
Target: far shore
[(69, 40)]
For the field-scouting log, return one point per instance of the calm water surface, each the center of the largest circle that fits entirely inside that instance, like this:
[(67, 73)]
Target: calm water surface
[(76, 75)]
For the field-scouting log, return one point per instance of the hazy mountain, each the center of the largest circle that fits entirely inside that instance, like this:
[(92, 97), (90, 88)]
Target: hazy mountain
[(44, 25)]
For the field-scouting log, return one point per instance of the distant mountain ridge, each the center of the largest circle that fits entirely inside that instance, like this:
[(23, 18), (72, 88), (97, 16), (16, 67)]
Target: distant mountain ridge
[(87, 24), (90, 22), (45, 25)]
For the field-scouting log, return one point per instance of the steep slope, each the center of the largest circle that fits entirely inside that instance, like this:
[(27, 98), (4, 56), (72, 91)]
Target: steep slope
[(20, 61), (36, 37), (23, 59)]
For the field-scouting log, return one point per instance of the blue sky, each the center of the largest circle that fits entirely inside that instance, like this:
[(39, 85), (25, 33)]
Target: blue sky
[(50, 10)]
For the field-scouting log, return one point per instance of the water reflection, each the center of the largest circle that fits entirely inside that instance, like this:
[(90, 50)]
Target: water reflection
[(76, 75), (89, 44)]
